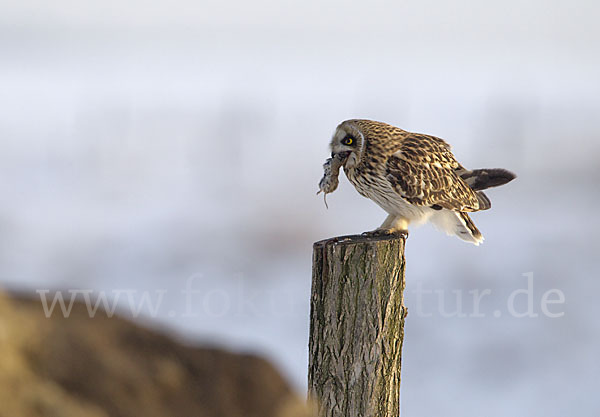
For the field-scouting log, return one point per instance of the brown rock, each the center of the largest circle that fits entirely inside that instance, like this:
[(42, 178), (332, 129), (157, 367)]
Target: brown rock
[(101, 366)]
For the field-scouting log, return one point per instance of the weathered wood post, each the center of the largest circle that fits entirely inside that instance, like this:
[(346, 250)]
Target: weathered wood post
[(357, 326)]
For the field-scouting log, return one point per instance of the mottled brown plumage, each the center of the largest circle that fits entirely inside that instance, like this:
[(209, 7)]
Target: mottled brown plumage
[(413, 177)]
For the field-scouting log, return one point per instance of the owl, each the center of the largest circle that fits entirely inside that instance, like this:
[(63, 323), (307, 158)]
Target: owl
[(414, 177)]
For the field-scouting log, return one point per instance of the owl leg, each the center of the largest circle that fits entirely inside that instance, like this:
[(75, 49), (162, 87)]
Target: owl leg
[(391, 226)]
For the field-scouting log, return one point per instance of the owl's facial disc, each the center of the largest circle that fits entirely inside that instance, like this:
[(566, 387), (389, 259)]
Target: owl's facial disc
[(345, 146)]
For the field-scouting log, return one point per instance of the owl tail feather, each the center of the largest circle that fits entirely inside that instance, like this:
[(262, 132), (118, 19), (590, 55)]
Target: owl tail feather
[(482, 179), (457, 224)]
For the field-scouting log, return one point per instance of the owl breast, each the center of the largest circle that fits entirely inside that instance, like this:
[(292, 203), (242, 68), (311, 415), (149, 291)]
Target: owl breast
[(374, 186)]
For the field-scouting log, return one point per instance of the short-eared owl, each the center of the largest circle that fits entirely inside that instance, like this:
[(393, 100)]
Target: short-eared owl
[(413, 177)]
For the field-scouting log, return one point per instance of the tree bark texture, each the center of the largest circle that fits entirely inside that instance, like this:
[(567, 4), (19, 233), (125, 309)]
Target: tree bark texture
[(357, 326)]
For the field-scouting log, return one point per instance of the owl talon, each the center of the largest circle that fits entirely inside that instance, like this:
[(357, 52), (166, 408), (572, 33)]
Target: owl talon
[(385, 232)]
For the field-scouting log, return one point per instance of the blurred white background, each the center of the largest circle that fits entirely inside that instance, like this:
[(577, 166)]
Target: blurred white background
[(157, 146)]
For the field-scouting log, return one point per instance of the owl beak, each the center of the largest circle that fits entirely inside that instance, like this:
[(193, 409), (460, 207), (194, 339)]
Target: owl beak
[(341, 155)]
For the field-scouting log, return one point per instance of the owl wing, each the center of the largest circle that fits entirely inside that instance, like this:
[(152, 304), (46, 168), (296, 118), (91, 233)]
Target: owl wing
[(423, 171)]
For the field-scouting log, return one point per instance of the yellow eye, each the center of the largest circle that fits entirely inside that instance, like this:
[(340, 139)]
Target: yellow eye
[(347, 141)]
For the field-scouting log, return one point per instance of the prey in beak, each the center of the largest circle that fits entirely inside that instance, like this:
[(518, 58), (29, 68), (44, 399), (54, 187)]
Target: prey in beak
[(331, 169)]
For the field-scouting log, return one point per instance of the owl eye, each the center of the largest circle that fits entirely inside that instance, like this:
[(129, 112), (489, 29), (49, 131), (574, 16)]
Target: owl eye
[(348, 140)]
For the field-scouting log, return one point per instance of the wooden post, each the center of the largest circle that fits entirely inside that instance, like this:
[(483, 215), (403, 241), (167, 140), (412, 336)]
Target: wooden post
[(357, 326)]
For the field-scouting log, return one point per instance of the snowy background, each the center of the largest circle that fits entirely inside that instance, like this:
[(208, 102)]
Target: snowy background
[(172, 150)]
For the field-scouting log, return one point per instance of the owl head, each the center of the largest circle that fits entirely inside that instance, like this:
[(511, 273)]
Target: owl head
[(347, 143)]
